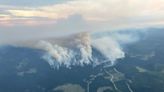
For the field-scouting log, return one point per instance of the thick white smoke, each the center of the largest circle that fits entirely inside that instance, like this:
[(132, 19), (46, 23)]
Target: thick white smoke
[(78, 49), (109, 47), (60, 54)]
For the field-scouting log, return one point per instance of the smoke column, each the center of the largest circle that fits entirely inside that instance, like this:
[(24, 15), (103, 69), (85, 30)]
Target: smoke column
[(79, 49)]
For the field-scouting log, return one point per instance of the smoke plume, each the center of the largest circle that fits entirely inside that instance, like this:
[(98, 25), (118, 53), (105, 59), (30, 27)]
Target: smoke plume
[(79, 49)]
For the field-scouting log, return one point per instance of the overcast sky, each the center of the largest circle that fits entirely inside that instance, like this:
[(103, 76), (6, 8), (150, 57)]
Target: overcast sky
[(28, 18)]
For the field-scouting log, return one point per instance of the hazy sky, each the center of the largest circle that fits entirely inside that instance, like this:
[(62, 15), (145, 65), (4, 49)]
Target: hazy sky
[(57, 17)]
